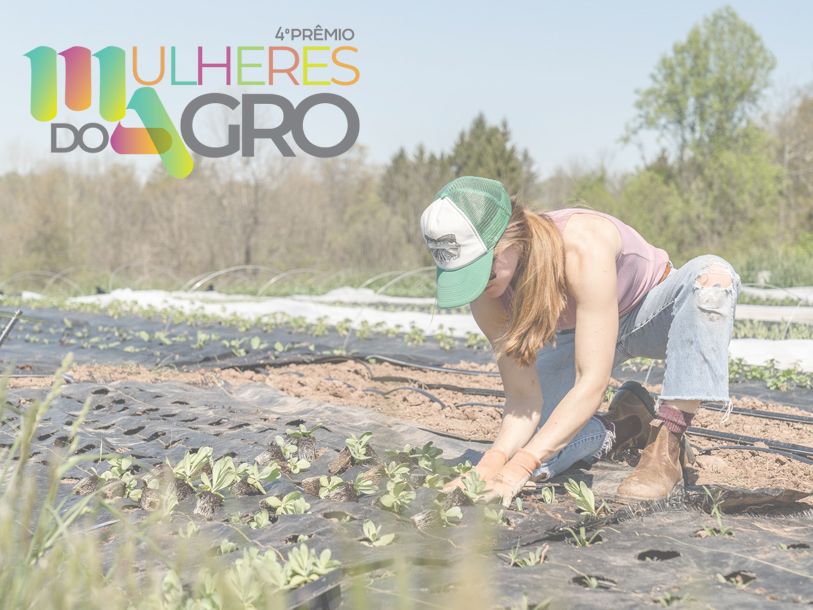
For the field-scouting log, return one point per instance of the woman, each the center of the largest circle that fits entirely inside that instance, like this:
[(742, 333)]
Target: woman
[(564, 297)]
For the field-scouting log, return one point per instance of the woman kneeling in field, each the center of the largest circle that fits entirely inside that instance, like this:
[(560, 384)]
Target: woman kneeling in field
[(565, 296)]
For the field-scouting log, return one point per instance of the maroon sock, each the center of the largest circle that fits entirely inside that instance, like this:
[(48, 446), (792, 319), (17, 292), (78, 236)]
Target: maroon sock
[(673, 418)]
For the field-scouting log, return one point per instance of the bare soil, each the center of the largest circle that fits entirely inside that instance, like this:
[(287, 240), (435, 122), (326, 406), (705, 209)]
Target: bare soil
[(353, 383)]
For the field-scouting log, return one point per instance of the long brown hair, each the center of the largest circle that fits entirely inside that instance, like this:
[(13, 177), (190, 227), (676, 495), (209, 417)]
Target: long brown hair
[(538, 284)]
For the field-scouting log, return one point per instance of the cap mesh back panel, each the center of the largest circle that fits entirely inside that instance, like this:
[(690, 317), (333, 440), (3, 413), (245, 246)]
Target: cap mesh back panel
[(479, 199)]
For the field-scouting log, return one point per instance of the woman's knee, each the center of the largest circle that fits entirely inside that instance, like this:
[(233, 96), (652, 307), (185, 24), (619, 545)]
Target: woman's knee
[(715, 286)]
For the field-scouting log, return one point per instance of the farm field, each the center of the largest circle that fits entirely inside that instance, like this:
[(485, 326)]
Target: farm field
[(217, 460)]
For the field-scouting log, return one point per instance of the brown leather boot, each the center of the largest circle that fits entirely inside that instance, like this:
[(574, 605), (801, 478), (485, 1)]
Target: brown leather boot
[(660, 470), (631, 410)]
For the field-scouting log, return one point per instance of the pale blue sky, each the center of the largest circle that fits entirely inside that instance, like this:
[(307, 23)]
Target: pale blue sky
[(562, 73)]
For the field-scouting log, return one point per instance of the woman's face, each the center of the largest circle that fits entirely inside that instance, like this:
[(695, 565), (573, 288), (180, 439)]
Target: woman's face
[(502, 270)]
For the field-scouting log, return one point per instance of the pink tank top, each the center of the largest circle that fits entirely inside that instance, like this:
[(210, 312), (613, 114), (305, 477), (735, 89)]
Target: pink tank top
[(639, 266)]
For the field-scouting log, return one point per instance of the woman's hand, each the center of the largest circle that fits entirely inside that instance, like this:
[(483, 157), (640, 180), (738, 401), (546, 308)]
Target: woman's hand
[(512, 477), (489, 465)]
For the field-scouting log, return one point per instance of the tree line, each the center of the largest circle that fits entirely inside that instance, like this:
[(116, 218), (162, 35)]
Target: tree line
[(727, 178)]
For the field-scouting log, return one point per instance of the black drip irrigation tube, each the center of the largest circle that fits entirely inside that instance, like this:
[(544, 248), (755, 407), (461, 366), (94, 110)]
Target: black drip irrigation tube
[(787, 454)]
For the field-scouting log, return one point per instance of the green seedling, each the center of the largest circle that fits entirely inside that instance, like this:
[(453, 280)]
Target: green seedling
[(584, 498), (444, 339), (254, 475), (189, 530), (201, 339), (256, 344), (296, 465), (717, 513), (358, 446), (305, 565), (398, 496), (667, 599), (396, 471), (290, 504), (415, 336), (260, 519), (494, 515), (581, 538), (477, 341), (319, 329), (343, 327), (364, 330), (531, 558), (548, 494), (373, 536), (427, 456), (288, 450), (525, 605), (363, 486), (327, 485), (302, 431), (448, 516), (188, 468), (434, 481), (225, 547), (474, 486), (223, 475), (738, 579), (462, 467)]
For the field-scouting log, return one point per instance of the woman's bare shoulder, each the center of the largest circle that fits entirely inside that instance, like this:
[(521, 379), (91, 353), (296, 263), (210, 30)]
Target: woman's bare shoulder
[(589, 232)]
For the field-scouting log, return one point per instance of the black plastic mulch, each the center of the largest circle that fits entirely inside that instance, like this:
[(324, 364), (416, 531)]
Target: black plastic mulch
[(153, 422)]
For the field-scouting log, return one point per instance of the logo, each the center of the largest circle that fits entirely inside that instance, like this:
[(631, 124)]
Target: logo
[(159, 135), (444, 249)]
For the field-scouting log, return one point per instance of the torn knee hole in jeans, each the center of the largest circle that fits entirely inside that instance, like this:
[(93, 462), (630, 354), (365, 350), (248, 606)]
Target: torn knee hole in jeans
[(713, 290)]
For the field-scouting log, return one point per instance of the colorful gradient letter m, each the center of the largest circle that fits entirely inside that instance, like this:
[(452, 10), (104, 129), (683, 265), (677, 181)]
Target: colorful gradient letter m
[(157, 137)]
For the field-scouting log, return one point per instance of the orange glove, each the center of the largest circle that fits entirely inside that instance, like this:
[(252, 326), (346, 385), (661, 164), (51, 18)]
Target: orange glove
[(512, 477), (489, 465)]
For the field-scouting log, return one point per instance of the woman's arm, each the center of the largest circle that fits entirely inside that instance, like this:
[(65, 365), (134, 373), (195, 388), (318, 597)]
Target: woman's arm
[(523, 396), (591, 246)]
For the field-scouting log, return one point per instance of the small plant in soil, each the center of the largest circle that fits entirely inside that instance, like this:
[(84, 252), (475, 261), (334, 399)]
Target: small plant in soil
[(260, 519), (462, 467), (398, 496), (738, 579), (434, 481), (548, 494), (396, 471), (717, 513), (210, 497), (415, 336), (296, 464), (530, 558), (494, 515), (359, 447), (667, 599), (251, 477), (329, 485), (290, 504), (191, 465), (364, 486), (448, 516), (188, 530), (302, 431), (304, 565), (524, 604), (474, 486), (583, 497), (373, 536), (581, 538)]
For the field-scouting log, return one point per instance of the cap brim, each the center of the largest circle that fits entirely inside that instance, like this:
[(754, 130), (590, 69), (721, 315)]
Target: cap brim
[(462, 286)]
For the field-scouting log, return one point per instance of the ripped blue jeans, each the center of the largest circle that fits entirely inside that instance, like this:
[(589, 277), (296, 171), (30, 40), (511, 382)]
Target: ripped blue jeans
[(686, 319)]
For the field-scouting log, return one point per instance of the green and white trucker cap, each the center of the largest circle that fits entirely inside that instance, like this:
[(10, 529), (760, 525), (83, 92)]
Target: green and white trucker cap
[(461, 227)]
